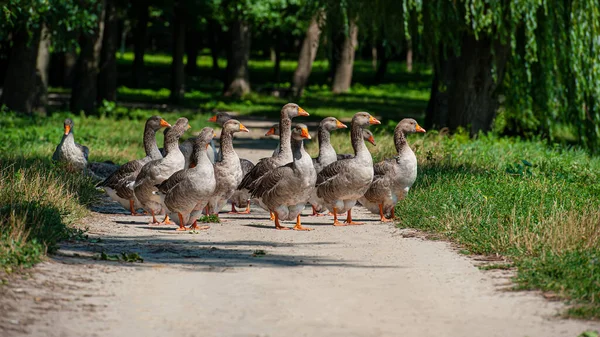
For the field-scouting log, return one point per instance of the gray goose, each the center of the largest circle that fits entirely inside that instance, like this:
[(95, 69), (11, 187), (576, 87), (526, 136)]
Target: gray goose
[(284, 190), (367, 135), (326, 155), (228, 170), (239, 197), (119, 185), (341, 183), (285, 156), (157, 171), (74, 155), (187, 191), (393, 176)]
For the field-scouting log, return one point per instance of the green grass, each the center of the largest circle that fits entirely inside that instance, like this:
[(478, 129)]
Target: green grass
[(536, 204), (38, 202), (400, 94)]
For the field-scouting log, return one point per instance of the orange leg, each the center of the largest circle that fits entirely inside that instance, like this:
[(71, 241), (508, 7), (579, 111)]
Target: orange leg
[(181, 224), (132, 210), (154, 221), (246, 211), (277, 224), (272, 216), (349, 219), (195, 226), (335, 219), (298, 226), (382, 217), (233, 210), (167, 221)]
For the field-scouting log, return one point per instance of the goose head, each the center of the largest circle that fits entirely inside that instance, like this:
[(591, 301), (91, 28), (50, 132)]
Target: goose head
[(409, 125), (364, 119), (220, 118), (292, 110), (331, 123), (234, 125)]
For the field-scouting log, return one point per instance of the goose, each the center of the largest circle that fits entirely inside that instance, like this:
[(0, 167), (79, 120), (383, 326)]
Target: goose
[(119, 185), (285, 190), (342, 182), (285, 156), (326, 155), (274, 131), (228, 170), (241, 197), (186, 192), (74, 155), (368, 136), (157, 171), (394, 176)]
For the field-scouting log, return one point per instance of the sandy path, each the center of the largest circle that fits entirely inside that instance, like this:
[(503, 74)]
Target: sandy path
[(372, 280)]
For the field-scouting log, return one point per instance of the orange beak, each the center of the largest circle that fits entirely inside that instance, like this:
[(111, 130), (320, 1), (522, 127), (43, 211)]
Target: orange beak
[(302, 112), (243, 128), (189, 127), (340, 125), (67, 129), (372, 140), (270, 132), (164, 123), (373, 120), (213, 119), (192, 165), (305, 133), (214, 135), (206, 146), (420, 129)]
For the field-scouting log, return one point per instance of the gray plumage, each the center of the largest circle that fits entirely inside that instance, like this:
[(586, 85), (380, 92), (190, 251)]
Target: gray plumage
[(228, 170), (119, 185), (242, 197), (285, 156), (326, 155), (285, 189), (74, 155), (157, 171), (187, 191), (341, 183), (367, 135), (394, 176)]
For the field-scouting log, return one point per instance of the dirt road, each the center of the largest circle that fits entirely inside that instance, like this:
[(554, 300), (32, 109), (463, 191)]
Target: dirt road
[(243, 278)]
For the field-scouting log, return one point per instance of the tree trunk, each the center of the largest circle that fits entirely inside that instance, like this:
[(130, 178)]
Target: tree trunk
[(213, 40), (192, 47), (19, 91), (139, 41), (238, 79), (383, 60), (308, 52), (85, 89), (470, 99), (4, 58), (42, 63), (374, 57), (177, 67), (107, 78), (409, 56), (342, 79)]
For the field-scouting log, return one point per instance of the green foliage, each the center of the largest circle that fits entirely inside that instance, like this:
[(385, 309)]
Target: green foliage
[(65, 19)]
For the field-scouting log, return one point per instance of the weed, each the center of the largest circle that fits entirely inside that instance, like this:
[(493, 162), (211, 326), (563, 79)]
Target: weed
[(259, 253)]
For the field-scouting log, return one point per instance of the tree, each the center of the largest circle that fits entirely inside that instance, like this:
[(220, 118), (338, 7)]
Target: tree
[(107, 78), (344, 63), (308, 52), (141, 17), (22, 23), (42, 63), (237, 81), (85, 90), (177, 67)]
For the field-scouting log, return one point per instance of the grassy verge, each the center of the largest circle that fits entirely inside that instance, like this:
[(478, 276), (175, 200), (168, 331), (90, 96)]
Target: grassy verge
[(537, 205), (38, 202)]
